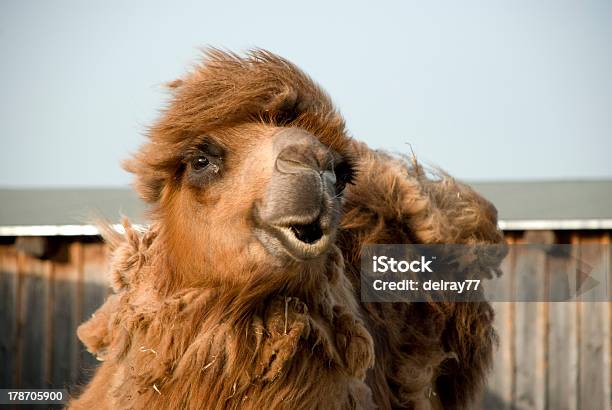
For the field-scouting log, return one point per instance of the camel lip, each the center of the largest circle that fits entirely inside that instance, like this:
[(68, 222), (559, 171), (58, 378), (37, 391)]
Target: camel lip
[(299, 238), (282, 240), (305, 248), (300, 248)]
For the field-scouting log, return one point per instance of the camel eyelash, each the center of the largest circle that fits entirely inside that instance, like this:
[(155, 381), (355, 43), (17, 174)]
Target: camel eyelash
[(206, 147), (345, 171)]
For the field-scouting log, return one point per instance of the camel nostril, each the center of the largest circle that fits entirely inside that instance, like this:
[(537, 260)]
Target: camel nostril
[(309, 233)]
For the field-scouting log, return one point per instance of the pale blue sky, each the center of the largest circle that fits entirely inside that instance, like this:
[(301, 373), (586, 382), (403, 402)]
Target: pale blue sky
[(488, 90)]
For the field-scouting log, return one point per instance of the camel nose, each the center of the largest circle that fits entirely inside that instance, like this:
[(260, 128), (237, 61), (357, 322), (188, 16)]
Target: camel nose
[(300, 153), (300, 211), (302, 186)]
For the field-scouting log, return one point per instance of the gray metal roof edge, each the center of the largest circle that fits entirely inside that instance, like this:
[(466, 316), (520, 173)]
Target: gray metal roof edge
[(505, 225), (60, 230)]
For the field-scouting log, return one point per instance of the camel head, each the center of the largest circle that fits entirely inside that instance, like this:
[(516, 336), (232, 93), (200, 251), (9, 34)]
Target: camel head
[(245, 171)]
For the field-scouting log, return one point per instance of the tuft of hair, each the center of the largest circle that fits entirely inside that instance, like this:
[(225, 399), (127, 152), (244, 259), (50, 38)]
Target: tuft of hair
[(110, 235)]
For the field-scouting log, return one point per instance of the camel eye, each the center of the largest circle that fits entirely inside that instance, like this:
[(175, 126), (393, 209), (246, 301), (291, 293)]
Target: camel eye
[(203, 164), (199, 163)]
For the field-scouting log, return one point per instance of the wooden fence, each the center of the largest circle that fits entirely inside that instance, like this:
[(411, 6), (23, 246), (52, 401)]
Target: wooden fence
[(42, 302), (552, 355)]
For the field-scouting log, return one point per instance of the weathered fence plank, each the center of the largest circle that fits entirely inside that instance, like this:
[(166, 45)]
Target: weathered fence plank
[(32, 321), (48, 320), (500, 387), (95, 288), (8, 321), (594, 349), (561, 388), (65, 344), (529, 331)]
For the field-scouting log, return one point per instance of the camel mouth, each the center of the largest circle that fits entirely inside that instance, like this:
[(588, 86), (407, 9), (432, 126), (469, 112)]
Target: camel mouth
[(304, 241), (309, 233), (300, 240)]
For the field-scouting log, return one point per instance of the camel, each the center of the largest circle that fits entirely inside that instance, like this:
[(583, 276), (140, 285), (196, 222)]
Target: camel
[(243, 291)]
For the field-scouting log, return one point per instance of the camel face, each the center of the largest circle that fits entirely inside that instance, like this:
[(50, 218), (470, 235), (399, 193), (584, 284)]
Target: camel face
[(300, 209), (271, 194)]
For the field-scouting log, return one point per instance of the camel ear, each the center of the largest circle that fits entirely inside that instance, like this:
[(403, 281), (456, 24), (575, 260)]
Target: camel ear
[(287, 106), (149, 182)]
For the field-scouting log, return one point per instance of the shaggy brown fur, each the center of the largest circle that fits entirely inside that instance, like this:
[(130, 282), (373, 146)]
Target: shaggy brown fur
[(200, 319)]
